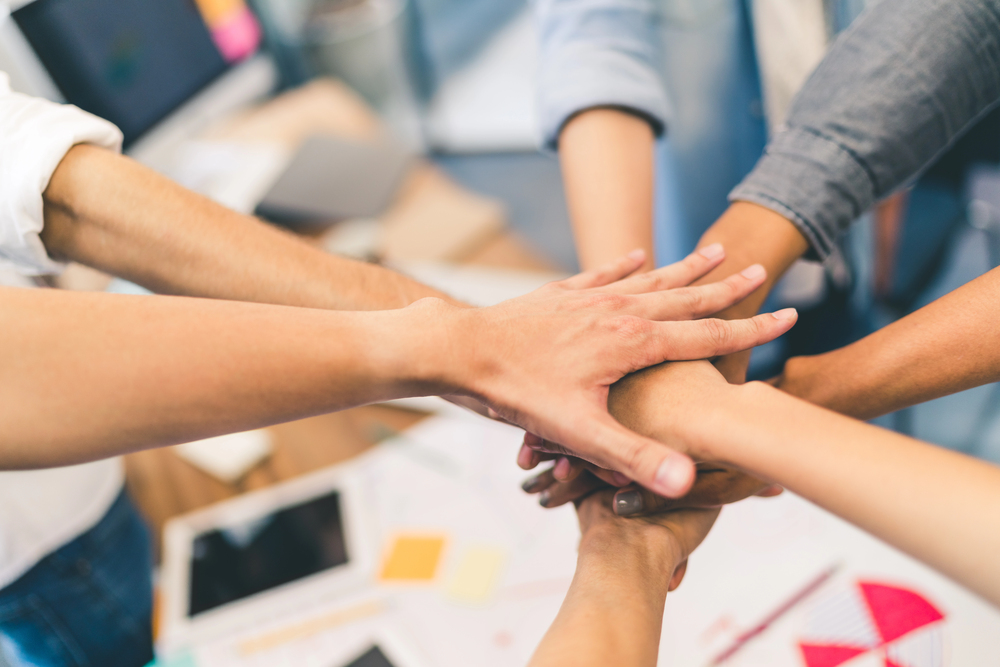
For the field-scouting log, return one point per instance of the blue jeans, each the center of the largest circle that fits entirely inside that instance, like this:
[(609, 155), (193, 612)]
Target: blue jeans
[(87, 604)]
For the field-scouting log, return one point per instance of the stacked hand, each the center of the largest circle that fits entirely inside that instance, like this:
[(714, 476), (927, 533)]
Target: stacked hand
[(683, 530), (546, 361)]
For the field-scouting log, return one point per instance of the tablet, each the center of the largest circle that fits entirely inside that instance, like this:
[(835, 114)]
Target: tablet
[(331, 179), (261, 555)]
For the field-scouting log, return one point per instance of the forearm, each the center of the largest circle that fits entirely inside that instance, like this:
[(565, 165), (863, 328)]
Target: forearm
[(951, 345), (108, 212), (87, 376), (613, 612), (751, 234), (607, 159), (894, 91), (936, 505)]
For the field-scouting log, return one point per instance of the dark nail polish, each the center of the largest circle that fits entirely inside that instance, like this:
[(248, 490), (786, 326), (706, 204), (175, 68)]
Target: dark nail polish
[(531, 484), (628, 503), (544, 499)]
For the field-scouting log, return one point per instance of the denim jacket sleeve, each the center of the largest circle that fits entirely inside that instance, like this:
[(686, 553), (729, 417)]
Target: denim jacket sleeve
[(895, 90), (598, 53)]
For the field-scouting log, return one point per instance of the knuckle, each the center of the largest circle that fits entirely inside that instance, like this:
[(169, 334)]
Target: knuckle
[(734, 288), (654, 281), (629, 327), (718, 332), (605, 301), (634, 456), (695, 301), (694, 261)]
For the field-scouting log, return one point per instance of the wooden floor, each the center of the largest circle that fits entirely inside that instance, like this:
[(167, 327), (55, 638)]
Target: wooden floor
[(163, 485)]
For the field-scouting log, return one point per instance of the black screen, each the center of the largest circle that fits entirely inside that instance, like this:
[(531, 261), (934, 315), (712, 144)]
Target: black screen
[(130, 61), (373, 657), (238, 561)]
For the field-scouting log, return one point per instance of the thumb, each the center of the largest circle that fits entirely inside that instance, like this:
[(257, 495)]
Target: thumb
[(648, 462), (678, 576)]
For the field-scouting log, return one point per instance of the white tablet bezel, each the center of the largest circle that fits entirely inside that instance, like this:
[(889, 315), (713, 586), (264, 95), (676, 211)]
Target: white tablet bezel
[(178, 631)]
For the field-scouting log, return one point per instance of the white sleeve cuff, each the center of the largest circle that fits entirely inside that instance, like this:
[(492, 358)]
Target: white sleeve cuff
[(35, 135)]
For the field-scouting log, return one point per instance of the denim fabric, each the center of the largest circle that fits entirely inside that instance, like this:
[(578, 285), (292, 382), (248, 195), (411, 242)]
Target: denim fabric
[(687, 66), (598, 53), (717, 131), (88, 604), (894, 92)]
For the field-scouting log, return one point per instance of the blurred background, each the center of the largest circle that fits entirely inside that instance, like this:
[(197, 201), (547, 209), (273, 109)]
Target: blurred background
[(406, 132), (442, 93), (457, 80)]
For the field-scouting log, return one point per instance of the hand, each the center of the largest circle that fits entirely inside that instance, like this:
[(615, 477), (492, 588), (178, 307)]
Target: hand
[(671, 403), (683, 530), (647, 402), (714, 486), (546, 361)]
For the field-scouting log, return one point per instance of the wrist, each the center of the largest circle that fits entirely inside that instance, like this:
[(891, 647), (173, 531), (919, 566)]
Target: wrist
[(798, 378), (632, 545), (422, 348), (816, 379), (715, 432)]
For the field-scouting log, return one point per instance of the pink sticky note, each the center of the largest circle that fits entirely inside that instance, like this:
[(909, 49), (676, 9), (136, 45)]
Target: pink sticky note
[(238, 36)]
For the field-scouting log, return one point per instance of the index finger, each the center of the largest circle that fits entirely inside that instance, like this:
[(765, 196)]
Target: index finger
[(678, 274), (607, 274)]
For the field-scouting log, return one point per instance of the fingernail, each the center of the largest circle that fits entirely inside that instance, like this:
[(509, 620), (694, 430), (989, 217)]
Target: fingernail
[(628, 503), (544, 498), (637, 254), (711, 251), (619, 479), (531, 484), (561, 469), (786, 314), (753, 272), (672, 478), (524, 457)]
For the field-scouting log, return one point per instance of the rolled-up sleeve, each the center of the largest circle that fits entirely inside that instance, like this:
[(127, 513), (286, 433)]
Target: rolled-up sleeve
[(894, 92), (35, 135), (598, 53)]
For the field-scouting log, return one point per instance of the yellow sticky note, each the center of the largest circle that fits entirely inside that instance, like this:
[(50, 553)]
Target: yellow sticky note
[(413, 558), (216, 12), (477, 575)]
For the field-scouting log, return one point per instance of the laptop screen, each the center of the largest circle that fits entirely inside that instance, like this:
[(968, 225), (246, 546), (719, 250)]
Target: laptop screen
[(233, 563), (134, 62)]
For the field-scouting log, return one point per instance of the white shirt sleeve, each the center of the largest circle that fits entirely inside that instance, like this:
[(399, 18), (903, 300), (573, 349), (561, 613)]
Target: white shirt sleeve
[(35, 135)]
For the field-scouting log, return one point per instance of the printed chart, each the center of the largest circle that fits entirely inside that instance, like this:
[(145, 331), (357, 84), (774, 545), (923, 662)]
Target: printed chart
[(874, 624)]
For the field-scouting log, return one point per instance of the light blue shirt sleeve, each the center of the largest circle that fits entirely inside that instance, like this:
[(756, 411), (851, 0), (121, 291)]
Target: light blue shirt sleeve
[(598, 53)]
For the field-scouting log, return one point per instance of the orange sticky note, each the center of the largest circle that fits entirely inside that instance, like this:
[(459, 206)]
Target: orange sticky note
[(413, 558)]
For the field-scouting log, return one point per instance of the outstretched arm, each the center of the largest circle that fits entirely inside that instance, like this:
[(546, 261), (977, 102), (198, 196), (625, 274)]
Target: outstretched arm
[(607, 163), (613, 612), (945, 347), (111, 213), (894, 91), (92, 375), (939, 506)]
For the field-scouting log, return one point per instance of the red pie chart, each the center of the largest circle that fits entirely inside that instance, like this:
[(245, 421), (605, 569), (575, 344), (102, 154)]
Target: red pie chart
[(870, 624)]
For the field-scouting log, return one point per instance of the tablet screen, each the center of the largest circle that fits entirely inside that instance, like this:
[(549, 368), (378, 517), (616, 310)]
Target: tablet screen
[(240, 560), (134, 62), (373, 657)]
